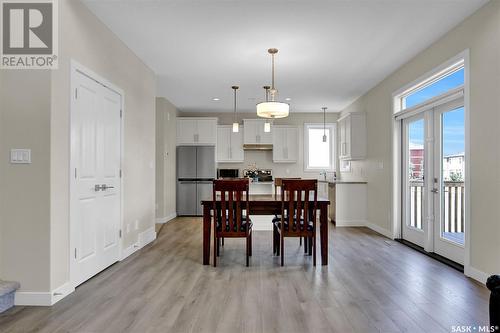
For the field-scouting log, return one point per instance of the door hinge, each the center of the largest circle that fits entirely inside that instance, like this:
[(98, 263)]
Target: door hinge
[(75, 173), (120, 233), (76, 93), (75, 252), (120, 173), (121, 113)]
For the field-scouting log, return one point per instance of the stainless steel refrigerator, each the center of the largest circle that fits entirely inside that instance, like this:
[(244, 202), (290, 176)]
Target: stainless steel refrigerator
[(195, 174)]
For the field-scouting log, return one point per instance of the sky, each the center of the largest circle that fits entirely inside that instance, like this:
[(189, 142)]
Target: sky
[(453, 121)]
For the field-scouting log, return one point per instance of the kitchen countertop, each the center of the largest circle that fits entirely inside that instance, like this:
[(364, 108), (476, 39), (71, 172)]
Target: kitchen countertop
[(332, 183)]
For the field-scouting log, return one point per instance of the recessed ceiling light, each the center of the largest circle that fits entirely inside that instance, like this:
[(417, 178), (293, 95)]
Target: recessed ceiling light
[(288, 99), (215, 99)]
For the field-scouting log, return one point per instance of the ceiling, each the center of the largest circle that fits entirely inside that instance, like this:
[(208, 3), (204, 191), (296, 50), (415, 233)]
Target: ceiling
[(330, 52)]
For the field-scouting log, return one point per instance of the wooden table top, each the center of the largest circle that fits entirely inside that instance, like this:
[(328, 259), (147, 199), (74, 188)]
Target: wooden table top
[(267, 198)]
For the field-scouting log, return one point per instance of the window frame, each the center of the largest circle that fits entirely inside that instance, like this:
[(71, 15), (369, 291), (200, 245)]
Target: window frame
[(429, 78), (332, 127)]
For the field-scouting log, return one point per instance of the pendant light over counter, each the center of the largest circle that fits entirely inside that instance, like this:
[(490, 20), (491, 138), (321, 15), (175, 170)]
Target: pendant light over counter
[(324, 123), (273, 109), (236, 125)]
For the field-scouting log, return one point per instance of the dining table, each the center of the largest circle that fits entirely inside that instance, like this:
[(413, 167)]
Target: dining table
[(267, 204)]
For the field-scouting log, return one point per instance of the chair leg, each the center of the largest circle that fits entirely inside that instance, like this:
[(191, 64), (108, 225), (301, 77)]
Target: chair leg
[(218, 246), (305, 244), (215, 248), (310, 243), (250, 244), (222, 241), (300, 241), (274, 239), (282, 250), (314, 250), (248, 250), (278, 243)]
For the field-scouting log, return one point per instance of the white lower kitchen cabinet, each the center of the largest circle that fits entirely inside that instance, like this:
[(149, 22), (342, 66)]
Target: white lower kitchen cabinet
[(350, 204), (229, 145), (285, 144)]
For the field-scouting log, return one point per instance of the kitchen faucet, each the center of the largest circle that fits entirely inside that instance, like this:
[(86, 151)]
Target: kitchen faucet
[(323, 173)]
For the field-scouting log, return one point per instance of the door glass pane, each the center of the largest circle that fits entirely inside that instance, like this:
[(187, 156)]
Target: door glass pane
[(415, 153), (453, 173)]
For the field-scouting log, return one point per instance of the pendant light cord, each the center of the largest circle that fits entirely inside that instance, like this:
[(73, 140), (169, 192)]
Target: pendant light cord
[(324, 120), (234, 89)]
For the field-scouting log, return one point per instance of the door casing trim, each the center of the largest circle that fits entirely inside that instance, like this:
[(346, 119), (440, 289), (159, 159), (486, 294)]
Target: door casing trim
[(396, 211)]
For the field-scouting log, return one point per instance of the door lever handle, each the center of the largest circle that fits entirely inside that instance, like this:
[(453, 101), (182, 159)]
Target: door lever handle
[(434, 190), (104, 187), (97, 187)]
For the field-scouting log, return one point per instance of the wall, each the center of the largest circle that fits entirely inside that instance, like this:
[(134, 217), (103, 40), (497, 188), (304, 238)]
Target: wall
[(88, 41), (166, 115), (25, 188), (264, 159), (480, 34)]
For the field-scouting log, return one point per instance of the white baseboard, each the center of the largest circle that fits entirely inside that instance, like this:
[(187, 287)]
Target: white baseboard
[(166, 219), (147, 236), (30, 298), (61, 292), (144, 238), (379, 229), (350, 223), (33, 298), (476, 274)]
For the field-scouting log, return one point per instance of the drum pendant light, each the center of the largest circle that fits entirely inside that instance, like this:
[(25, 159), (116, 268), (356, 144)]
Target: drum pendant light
[(273, 109)]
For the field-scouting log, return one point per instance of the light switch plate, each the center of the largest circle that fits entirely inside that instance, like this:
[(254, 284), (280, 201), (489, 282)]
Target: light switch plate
[(20, 156)]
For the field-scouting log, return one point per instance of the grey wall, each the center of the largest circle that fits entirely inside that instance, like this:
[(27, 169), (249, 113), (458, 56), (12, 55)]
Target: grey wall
[(84, 38), (166, 115), (25, 188), (480, 33)]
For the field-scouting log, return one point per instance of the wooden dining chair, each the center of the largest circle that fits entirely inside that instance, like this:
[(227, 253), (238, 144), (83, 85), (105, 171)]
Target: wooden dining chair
[(230, 198), (298, 213), (278, 182)]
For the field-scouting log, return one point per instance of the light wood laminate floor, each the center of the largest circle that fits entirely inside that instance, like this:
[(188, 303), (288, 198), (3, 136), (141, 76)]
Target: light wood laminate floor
[(371, 284)]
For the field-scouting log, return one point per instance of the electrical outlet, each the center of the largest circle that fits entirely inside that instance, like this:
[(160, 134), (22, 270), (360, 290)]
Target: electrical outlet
[(136, 225)]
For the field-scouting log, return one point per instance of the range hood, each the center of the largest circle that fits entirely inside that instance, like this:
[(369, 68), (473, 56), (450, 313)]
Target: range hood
[(257, 146)]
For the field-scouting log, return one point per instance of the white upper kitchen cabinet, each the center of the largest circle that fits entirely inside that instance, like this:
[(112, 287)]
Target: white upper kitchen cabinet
[(254, 132), (285, 144), (229, 144), (196, 131), (352, 133)]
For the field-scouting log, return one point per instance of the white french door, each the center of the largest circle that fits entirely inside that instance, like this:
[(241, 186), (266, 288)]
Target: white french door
[(95, 210), (433, 179)]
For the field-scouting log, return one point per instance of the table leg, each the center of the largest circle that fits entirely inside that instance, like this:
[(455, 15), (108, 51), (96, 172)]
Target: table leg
[(206, 234), (323, 232)]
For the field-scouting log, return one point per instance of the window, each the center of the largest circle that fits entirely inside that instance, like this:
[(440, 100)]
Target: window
[(442, 85), (436, 84), (319, 155)]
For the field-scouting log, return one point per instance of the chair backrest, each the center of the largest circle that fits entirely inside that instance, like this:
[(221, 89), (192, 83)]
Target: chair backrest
[(278, 182), (297, 203), (228, 196)]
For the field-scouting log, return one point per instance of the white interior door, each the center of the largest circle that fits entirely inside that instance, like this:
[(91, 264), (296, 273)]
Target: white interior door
[(95, 182)]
